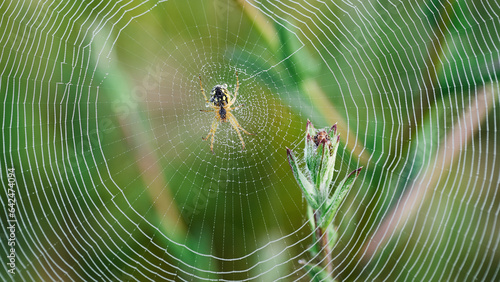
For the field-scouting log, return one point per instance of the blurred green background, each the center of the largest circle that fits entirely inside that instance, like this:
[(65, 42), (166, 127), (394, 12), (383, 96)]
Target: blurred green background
[(101, 121)]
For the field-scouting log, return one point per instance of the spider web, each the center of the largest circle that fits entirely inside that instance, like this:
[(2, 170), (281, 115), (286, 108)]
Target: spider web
[(101, 122)]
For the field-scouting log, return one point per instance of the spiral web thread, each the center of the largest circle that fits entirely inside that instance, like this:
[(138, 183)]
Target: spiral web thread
[(101, 122)]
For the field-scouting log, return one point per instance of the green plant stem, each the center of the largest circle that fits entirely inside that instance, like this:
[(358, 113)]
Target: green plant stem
[(322, 238)]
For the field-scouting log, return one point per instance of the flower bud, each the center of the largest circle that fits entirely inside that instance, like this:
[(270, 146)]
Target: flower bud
[(320, 151)]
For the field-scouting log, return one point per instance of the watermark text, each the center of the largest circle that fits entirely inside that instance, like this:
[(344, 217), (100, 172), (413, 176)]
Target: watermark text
[(12, 221)]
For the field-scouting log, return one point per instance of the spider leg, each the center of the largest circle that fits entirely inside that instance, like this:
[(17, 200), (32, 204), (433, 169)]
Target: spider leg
[(203, 91), (237, 127), (211, 111), (245, 130), (237, 107), (213, 128), (233, 99)]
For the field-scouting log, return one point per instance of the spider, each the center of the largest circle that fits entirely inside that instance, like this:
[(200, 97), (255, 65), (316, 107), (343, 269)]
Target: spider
[(221, 102)]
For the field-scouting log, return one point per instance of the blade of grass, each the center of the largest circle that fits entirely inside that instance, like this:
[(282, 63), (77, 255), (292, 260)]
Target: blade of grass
[(265, 28), (432, 67)]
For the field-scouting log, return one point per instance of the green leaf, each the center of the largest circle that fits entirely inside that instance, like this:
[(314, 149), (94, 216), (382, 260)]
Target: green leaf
[(321, 159), (310, 151), (328, 166), (338, 196), (304, 184)]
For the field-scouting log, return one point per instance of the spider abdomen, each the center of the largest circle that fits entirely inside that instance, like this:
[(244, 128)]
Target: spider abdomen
[(222, 114)]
